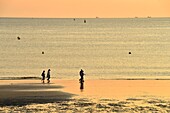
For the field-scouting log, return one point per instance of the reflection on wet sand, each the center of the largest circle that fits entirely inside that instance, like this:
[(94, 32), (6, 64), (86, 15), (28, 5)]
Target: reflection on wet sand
[(81, 86), (119, 89)]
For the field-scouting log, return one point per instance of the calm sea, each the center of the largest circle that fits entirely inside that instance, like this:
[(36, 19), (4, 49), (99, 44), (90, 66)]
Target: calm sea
[(100, 46)]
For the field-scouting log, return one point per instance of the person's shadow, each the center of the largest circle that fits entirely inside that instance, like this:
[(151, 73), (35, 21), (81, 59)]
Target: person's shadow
[(81, 84)]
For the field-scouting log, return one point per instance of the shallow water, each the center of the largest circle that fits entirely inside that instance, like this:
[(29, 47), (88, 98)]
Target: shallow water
[(101, 47)]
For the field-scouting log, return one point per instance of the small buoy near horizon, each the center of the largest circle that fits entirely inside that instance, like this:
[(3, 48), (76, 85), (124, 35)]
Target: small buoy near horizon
[(18, 38), (74, 19), (130, 53), (84, 21), (42, 52)]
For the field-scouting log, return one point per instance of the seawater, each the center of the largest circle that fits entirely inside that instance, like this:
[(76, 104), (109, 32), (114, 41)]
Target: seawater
[(100, 46)]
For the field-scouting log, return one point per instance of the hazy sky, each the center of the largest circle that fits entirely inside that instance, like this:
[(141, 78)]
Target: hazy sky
[(84, 8)]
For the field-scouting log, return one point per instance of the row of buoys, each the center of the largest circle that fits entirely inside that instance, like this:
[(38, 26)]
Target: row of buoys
[(43, 51), (20, 39), (129, 52)]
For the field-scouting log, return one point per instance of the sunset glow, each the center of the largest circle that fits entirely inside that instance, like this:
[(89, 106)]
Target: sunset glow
[(84, 8)]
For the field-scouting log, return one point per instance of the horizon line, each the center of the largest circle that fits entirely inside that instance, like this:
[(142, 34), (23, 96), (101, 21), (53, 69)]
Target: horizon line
[(81, 17)]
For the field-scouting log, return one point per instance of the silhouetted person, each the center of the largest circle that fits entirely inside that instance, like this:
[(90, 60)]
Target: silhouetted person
[(48, 76), (81, 75), (43, 76)]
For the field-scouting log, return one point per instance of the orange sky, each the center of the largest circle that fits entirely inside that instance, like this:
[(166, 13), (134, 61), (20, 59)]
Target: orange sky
[(84, 8)]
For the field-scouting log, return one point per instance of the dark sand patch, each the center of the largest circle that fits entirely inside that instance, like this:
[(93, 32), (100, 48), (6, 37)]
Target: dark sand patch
[(24, 94)]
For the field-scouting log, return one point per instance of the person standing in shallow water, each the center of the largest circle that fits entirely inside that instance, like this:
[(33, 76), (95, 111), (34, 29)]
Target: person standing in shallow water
[(43, 76), (48, 76), (81, 75)]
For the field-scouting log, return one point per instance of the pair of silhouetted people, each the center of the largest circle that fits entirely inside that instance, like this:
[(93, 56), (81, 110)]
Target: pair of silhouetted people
[(48, 76)]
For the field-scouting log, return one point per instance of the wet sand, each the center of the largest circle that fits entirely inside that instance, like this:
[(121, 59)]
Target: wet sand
[(119, 89), (97, 96)]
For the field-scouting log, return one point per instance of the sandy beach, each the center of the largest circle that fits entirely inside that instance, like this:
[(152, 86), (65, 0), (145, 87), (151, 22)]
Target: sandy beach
[(96, 96)]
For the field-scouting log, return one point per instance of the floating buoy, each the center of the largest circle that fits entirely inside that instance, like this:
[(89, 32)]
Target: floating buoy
[(84, 21), (130, 53), (42, 52), (18, 38)]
